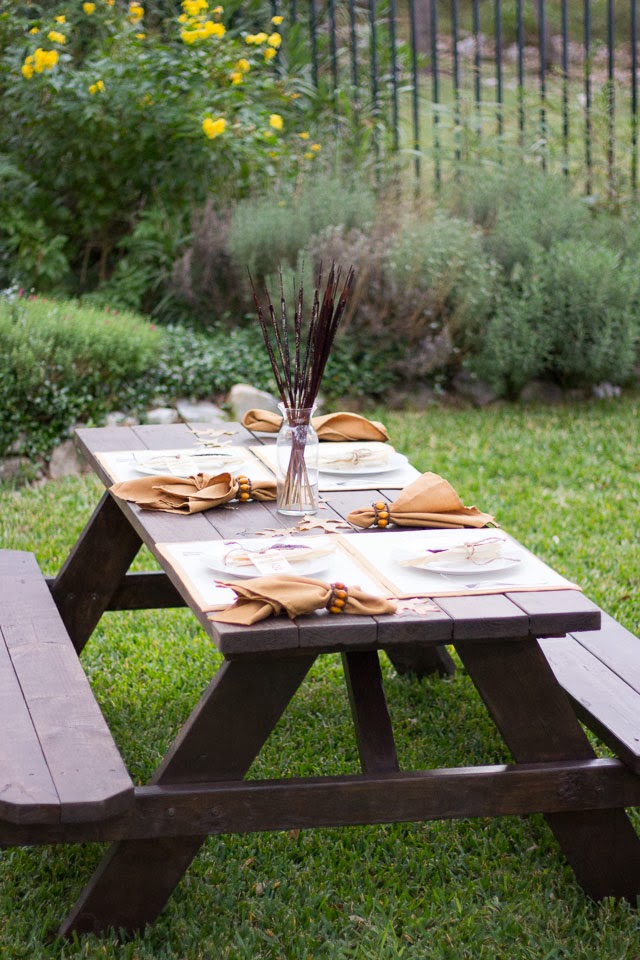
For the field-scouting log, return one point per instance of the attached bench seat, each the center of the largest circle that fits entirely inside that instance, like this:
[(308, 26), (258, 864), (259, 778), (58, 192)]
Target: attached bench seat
[(58, 760), (600, 670)]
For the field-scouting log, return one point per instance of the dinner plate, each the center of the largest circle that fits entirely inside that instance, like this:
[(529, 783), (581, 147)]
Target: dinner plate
[(183, 465), (219, 559), (463, 567), (395, 461)]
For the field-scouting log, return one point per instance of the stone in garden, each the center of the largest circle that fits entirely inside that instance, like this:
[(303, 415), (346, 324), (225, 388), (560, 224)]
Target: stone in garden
[(203, 412), (243, 397), (162, 416), (12, 468), (66, 461), (542, 391), (119, 419), (480, 393)]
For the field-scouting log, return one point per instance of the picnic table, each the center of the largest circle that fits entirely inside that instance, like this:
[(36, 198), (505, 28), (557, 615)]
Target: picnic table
[(199, 787)]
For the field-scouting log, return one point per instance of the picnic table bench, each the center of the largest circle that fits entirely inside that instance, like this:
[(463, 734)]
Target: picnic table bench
[(522, 651), (58, 760)]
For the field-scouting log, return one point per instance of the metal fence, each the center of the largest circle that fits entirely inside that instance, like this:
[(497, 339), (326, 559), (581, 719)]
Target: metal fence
[(457, 82)]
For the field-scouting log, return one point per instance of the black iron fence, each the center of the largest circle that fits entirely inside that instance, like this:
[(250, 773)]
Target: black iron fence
[(461, 81)]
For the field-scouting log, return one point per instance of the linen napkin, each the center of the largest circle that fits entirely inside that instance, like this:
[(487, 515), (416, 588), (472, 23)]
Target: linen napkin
[(345, 455), (330, 426), (193, 494), (429, 501), (264, 597)]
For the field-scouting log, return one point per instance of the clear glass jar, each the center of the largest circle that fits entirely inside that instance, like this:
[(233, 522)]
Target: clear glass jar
[(297, 457)]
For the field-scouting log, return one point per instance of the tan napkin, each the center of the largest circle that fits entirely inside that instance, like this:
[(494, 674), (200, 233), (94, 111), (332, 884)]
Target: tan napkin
[(263, 597), (429, 501), (331, 426), (193, 494)]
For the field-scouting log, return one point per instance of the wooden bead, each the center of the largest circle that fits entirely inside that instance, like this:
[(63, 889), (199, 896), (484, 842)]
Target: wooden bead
[(379, 505), (335, 609), (340, 594), (382, 523), (244, 497)]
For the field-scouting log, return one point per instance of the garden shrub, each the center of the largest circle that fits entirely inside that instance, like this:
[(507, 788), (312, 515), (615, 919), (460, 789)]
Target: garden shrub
[(60, 364), (575, 322), (153, 123)]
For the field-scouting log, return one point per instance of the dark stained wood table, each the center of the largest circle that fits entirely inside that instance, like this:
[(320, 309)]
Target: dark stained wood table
[(199, 789)]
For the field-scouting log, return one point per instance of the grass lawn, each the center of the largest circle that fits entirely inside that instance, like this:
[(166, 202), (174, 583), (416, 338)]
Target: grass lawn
[(563, 480)]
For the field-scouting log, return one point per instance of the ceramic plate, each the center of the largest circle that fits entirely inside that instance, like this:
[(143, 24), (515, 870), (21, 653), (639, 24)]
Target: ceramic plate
[(463, 567), (395, 461), (220, 559), (183, 465)]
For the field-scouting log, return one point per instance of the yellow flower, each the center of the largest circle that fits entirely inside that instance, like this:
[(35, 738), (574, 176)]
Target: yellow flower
[(236, 77), (277, 20), (260, 38), (276, 121), (309, 155), (250, 38), (274, 40), (213, 128), (243, 65), (194, 7), (216, 29), (56, 37), (89, 8), (136, 12), (44, 60), (217, 10), (96, 87), (269, 54), (304, 135), (34, 30), (61, 18), (189, 36), (109, 3), (140, 36), (316, 147), (27, 70)]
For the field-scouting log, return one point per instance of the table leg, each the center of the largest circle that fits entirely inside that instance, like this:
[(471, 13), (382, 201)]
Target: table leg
[(374, 734), (93, 570), (538, 724), (220, 741)]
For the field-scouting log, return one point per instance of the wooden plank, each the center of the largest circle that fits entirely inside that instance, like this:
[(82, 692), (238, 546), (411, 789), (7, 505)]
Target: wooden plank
[(556, 611), (616, 647), (91, 573), (86, 768), (537, 723), (220, 740), (371, 720), (27, 791), (247, 806), (484, 617), (606, 703)]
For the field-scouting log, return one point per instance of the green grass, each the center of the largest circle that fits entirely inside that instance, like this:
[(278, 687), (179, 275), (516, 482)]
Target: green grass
[(564, 480)]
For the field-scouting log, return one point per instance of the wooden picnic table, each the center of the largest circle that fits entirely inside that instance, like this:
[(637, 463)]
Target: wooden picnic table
[(198, 788)]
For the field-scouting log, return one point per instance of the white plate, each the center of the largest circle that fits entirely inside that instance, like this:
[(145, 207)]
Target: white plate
[(185, 466), (216, 554), (395, 461), (464, 567)]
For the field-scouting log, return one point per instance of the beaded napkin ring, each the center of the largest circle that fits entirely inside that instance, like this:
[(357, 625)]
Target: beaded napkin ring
[(245, 488), (337, 598), (381, 514)]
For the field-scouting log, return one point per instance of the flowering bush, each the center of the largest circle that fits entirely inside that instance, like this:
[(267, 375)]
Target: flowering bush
[(103, 121)]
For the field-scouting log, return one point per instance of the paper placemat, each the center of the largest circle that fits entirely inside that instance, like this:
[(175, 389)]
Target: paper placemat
[(327, 482), (126, 464), (192, 562), (381, 553)]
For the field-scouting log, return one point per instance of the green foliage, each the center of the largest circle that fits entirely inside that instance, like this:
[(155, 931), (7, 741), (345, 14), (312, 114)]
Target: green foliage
[(267, 234), (575, 322), (444, 260), (154, 121), (60, 364)]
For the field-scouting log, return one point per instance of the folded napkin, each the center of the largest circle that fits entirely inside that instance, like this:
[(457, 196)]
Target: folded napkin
[(263, 597), (481, 552), (192, 494), (331, 426), (429, 501)]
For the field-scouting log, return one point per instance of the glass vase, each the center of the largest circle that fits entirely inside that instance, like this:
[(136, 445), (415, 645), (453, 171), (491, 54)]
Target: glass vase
[(297, 462)]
